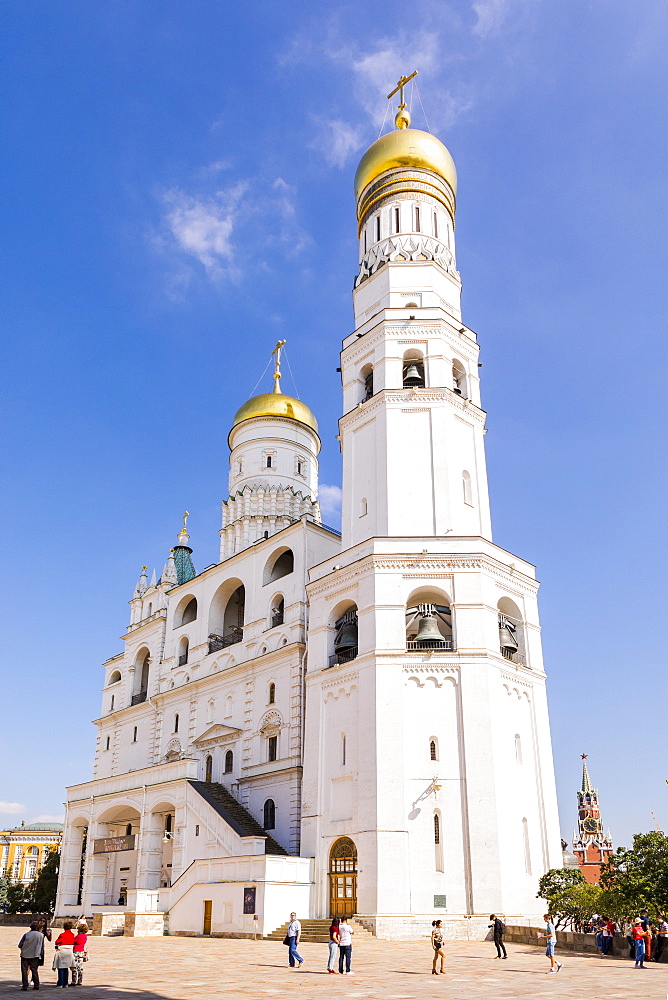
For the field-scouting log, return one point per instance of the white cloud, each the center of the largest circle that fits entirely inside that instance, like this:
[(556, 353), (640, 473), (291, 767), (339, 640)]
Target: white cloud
[(47, 818), (494, 16), (11, 808), (203, 227), (330, 500), (337, 140)]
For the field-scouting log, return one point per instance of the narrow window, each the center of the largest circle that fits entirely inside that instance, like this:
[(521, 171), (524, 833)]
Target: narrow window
[(108, 743), (176, 723), (377, 228), (229, 762), (208, 769), (518, 749), (437, 829), (436, 225), (266, 534), (432, 750), (197, 829), (272, 694), (269, 818), (168, 823), (417, 219), (269, 461), (396, 219), (364, 507), (272, 748), (368, 385), (527, 851), (134, 735), (438, 846), (466, 486), (365, 241), (112, 703), (300, 468), (128, 830), (343, 749)]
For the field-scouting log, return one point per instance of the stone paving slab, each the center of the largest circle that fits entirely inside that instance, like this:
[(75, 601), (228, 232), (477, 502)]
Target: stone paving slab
[(173, 968)]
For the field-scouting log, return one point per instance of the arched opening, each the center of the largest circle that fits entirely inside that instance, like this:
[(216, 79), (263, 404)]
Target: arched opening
[(343, 878), (438, 842), (208, 769), (429, 621), (366, 376), (527, 846), (511, 631), (364, 507), (345, 634), (459, 379), (433, 748), (272, 693), (413, 370), (226, 615), (467, 488), (229, 762), (269, 817), (142, 668), (186, 611), (182, 651), (277, 611), (279, 564), (518, 749), (115, 677)]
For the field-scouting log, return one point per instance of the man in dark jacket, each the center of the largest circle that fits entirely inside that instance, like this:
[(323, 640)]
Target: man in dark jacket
[(499, 929), (31, 946)]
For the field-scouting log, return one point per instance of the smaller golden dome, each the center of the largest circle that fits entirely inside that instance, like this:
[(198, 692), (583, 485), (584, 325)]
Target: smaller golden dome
[(275, 404), (405, 147)]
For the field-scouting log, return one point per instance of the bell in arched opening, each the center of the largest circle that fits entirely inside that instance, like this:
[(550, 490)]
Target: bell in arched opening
[(507, 637), (413, 377), (428, 631), (346, 636)]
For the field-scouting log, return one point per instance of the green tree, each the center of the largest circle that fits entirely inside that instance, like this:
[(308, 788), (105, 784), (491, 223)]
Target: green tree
[(17, 898), (570, 898), (4, 886), (637, 879), (44, 888)]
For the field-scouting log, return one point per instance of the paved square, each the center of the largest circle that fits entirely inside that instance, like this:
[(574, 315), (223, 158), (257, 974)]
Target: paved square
[(196, 968)]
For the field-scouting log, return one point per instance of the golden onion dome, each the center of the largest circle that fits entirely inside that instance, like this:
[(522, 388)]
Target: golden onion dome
[(275, 404), (405, 147)]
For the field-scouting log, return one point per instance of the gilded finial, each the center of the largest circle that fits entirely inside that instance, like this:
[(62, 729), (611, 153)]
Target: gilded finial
[(186, 515), (402, 119), (277, 366)]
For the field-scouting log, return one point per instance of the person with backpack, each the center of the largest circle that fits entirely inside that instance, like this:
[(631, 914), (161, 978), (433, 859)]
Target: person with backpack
[(499, 929)]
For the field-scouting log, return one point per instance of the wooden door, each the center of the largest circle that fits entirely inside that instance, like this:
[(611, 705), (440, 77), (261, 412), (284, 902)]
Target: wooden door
[(207, 916), (343, 878)]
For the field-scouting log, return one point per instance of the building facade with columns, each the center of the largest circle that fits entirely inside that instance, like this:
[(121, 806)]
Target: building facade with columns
[(338, 724)]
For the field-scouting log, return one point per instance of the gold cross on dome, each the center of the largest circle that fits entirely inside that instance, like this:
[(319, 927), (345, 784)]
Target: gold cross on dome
[(277, 366), (401, 83), (186, 515)]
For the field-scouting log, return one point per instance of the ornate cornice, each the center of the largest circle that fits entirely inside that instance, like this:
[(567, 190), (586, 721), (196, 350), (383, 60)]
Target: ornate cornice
[(419, 396)]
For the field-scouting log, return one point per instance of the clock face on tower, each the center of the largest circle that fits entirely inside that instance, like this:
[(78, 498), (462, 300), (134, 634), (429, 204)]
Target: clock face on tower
[(590, 825)]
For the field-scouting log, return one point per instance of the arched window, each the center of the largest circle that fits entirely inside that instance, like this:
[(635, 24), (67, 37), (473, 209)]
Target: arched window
[(466, 486), (208, 769), (429, 621), (277, 612), (143, 676), (226, 616), (366, 375), (459, 379), (364, 507), (128, 830), (189, 613), (413, 370), (150, 610), (438, 842), (229, 762), (518, 748), (345, 636), (512, 639), (182, 656), (343, 749), (527, 849), (433, 750), (269, 818), (279, 565), (272, 693), (176, 723), (115, 677)]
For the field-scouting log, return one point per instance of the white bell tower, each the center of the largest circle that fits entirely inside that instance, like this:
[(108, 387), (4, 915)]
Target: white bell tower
[(428, 777)]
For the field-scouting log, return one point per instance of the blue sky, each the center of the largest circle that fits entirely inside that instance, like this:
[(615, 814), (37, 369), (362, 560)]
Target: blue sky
[(178, 195)]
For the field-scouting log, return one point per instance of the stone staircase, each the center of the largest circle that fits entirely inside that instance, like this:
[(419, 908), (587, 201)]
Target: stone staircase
[(317, 931), (234, 814)]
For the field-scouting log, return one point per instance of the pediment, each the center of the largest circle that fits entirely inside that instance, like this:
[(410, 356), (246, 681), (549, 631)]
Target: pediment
[(217, 731)]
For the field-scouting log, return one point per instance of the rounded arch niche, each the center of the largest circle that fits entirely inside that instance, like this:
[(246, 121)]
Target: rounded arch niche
[(343, 878)]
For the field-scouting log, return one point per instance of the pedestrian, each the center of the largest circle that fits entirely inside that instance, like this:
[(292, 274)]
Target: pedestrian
[(437, 944), (550, 936), (294, 934), (639, 938), (31, 947), (80, 953), (630, 940), (345, 947), (647, 927), (499, 929), (63, 959), (43, 928), (608, 935), (334, 938), (662, 936), (600, 924)]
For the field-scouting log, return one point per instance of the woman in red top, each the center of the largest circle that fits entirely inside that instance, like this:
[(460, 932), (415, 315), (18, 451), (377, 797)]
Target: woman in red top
[(63, 960), (80, 954)]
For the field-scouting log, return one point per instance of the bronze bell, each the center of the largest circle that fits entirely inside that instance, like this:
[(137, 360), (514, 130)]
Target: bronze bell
[(428, 630), (346, 637), (412, 377), (507, 639)]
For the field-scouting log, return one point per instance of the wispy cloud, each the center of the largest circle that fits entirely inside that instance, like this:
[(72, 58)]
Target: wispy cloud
[(337, 140), (330, 500), (11, 808), (203, 228), (48, 818)]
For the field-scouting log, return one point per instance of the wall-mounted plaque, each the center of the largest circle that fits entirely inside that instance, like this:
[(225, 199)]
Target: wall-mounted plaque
[(107, 845), (439, 902), (249, 899)]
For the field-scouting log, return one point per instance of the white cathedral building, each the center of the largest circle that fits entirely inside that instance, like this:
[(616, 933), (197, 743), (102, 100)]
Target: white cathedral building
[(349, 724)]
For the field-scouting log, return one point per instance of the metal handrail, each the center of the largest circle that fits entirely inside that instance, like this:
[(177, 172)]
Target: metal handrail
[(183, 658), (344, 656), (445, 644), (230, 638), (509, 654), (138, 698)]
